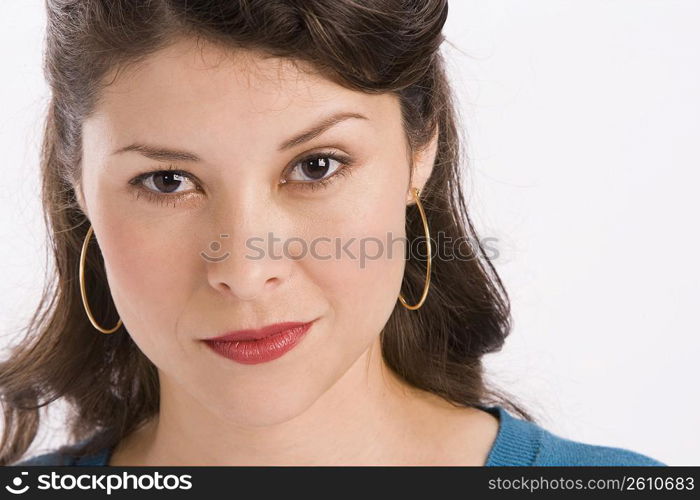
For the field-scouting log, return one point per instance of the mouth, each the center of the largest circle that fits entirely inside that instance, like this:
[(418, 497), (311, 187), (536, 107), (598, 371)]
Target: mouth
[(260, 333), (259, 346)]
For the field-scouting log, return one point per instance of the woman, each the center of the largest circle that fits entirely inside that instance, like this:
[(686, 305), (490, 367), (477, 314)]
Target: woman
[(256, 171)]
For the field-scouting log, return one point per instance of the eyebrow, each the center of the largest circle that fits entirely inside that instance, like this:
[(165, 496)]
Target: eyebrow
[(164, 154)]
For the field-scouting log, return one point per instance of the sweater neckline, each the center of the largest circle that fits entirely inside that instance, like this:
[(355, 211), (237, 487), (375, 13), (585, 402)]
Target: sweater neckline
[(517, 442)]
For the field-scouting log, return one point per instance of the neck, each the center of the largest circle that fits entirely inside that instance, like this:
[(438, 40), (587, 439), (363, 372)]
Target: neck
[(368, 417)]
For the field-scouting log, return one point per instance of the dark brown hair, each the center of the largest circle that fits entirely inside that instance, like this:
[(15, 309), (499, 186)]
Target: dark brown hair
[(373, 46)]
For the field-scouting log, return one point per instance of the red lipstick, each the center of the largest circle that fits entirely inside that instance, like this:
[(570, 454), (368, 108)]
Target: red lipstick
[(259, 346)]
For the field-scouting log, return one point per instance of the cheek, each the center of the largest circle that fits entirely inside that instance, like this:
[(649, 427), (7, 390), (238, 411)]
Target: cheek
[(362, 280), (150, 275)]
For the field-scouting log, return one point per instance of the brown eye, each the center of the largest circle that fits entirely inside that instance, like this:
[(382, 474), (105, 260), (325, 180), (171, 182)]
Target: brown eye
[(166, 182), (315, 168)]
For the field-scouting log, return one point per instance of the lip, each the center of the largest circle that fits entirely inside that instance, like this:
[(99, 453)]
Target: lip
[(260, 333), (261, 345)]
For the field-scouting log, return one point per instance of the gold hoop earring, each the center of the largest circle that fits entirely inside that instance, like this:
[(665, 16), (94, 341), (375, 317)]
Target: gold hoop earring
[(83, 294), (416, 192)]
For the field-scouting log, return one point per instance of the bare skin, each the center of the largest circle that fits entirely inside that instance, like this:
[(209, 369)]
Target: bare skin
[(330, 400), (398, 425)]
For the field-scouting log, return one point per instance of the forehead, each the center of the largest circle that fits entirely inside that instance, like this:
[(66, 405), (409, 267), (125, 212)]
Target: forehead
[(194, 88)]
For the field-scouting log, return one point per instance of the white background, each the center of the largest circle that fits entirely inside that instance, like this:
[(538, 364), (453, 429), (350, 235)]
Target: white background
[(583, 126)]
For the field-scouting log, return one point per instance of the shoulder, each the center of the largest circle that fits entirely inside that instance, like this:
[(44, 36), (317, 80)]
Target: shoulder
[(67, 455), (520, 442), (556, 450), (51, 458)]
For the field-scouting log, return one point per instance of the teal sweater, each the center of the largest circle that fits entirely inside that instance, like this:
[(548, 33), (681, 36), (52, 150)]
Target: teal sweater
[(518, 442)]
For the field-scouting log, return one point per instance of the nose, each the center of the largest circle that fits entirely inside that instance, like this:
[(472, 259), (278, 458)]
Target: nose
[(244, 267)]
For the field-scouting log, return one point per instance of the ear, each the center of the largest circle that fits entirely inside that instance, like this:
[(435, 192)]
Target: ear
[(423, 162)]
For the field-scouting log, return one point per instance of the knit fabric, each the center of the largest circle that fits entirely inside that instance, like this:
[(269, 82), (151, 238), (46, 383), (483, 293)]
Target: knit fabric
[(518, 442)]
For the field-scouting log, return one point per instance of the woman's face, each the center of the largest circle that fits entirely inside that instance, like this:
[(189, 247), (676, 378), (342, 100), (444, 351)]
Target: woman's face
[(181, 254)]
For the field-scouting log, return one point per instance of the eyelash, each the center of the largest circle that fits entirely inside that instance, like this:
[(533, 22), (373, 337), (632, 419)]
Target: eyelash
[(346, 164)]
